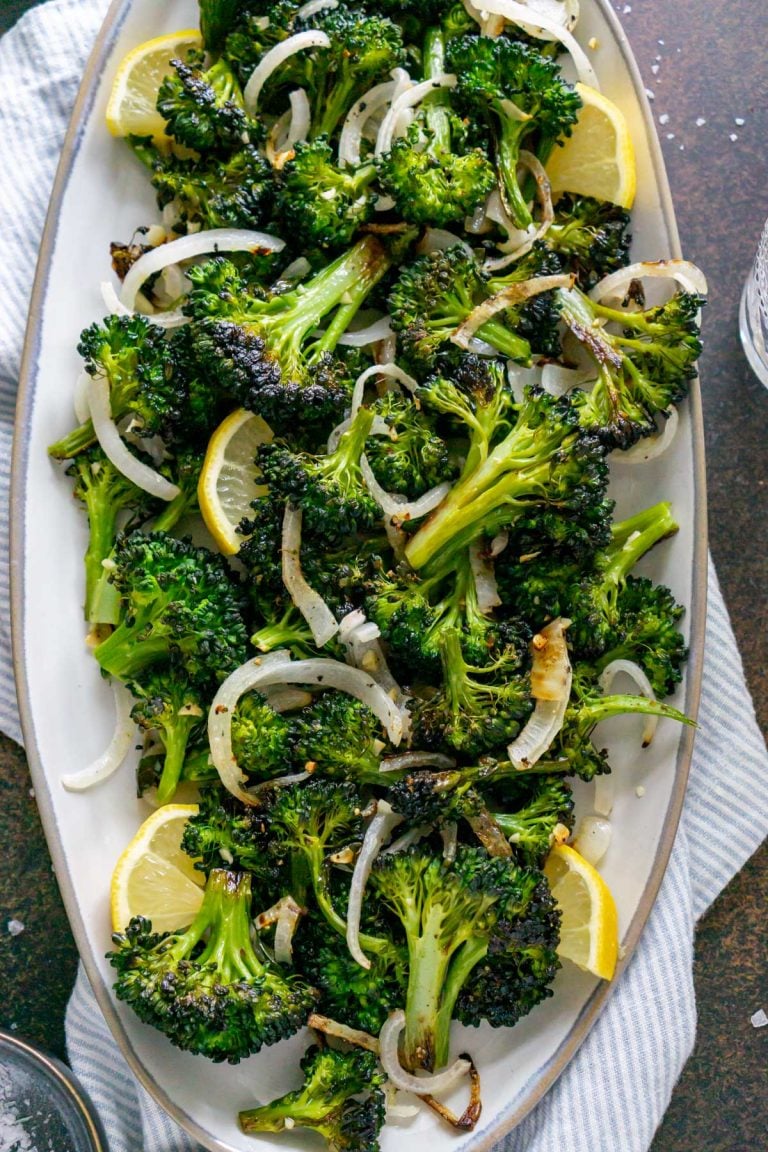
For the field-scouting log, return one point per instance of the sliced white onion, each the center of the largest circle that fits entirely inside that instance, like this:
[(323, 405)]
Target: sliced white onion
[(687, 275), (287, 922), (485, 579), (521, 378), (379, 330), (551, 678), (593, 838), (80, 398), (350, 623), (259, 674), (276, 147), (438, 239), (355, 1036), (639, 678), (397, 506), (605, 787), (650, 447), (426, 1085), (287, 699), (408, 99), (407, 840), (307, 11), (352, 130), (116, 751), (297, 269), (539, 23), (520, 242), (513, 294), (557, 379), (364, 651), (188, 247), (112, 301), (396, 1110), (301, 116), (310, 603), (377, 834), (450, 838), (416, 759), (115, 449), (390, 370), (277, 56)]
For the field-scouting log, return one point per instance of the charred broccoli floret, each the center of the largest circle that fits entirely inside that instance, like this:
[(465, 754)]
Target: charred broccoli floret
[(322, 204), (413, 458), (591, 237), (204, 108)]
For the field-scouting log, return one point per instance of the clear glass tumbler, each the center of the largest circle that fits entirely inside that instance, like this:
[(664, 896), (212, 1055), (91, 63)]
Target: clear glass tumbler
[(753, 313)]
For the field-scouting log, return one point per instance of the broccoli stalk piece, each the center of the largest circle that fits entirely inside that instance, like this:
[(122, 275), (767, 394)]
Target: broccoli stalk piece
[(544, 459), (496, 74), (329, 489), (205, 987), (177, 600), (183, 469), (169, 705), (642, 371), (136, 360), (329, 1101), (590, 236), (105, 494), (204, 109), (475, 709), (263, 351), (449, 914), (430, 174), (217, 19), (432, 297), (322, 204)]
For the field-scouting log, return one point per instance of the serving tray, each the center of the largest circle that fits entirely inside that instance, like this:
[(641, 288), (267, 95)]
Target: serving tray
[(100, 194)]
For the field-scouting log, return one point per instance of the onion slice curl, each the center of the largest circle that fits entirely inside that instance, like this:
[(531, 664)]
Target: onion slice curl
[(427, 1085), (116, 751)]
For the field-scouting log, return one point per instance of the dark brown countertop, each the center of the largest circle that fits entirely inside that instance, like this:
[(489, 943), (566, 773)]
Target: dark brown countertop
[(704, 62)]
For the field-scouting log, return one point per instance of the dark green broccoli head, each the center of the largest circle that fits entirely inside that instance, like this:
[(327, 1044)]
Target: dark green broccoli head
[(536, 319), (321, 816), (436, 798), (321, 203), (531, 811), (647, 631), (413, 458), (258, 29), (213, 995), (260, 738), (227, 833), (339, 736), (176, 600), (235, 191), (591, 237), (204, 109)]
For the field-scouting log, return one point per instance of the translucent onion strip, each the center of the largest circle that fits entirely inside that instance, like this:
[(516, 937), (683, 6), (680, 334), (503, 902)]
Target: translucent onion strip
[(307, 11), (514, 294), (115, 449), (379, 330), (301, 116), (643, 684), (687, 275), (352, 131), (397, 506), (650, 447), (116, 751), (537, 23), (277, 56), (260, 673), (485, 578), (80, 398), (426, 1085), (544, 195), (551, 678), (310, 603), (377, 834), (593, 838), (390, 370), (188, 247), (408, 99), (287, 923)]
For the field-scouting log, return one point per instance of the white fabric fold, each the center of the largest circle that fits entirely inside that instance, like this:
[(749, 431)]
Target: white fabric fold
[(615, 1091)]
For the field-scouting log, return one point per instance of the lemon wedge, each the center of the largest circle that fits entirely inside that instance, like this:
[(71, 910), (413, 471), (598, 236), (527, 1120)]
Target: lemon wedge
[(228, 481), (154, 877), (131, 109), (598, 158), (589, 931)]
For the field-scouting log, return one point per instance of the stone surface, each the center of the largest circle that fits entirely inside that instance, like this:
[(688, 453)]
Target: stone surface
[(705, 63)]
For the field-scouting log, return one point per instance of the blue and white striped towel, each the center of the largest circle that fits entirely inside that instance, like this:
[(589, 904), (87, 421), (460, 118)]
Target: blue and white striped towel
[(622, 1078)]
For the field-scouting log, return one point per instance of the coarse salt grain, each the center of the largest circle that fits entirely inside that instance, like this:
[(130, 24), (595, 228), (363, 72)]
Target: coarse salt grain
[(655, 69), (664, 118), (700, 121), (759, 1020), (739, 120), (15, 927), (650, 94), (733, 137), (627, 9), (670, 135)]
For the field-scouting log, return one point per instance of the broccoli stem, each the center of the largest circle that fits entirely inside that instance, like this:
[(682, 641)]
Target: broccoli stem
[(507, 156), (619, 704), (173, 511), (74, 442), (437, 104), (102, 528), (175, 739), (289, 632), (635, 536), (123, 656)]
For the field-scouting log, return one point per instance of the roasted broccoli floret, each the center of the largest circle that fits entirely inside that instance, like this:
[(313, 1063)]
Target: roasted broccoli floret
[(176, 600), (591, 237), (648, 633), (641, 371), (322, 204), (434, 177), (265, 353), (204, 986), (174, 709), (413, 458), (536, 319), (134, 358), (339, 737), (499, 78), (341, 1099), (204, 109), (283, 629), (258, 29), (531, 814), (227, 834), (261, 741), (450, 914)]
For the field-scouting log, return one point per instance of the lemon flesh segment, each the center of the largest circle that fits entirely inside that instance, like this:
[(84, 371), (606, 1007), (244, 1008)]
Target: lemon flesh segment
[(154, 877), (131, 108), (228, 481), (589, 930), (598, 158)]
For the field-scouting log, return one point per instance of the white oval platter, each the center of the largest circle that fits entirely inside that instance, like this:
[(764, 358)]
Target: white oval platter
[(101, 195)]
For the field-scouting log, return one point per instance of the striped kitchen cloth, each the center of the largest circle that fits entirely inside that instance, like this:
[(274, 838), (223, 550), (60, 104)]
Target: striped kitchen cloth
[(622, 1078)]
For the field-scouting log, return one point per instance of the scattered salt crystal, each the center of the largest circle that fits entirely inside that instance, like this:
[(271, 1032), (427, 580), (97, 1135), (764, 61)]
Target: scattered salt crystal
[(627, 9), (640, 791), (733, 137), (759, 1020), (14, 1026), (682, 147), (15, 927), (670, 135), (661, 42), (739, 120), (655, 69), (700, 121), (650, 94), (32, 793), (664, 118)]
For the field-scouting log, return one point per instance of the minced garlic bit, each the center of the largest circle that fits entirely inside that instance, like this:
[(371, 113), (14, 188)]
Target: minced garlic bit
[(639, 791)]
